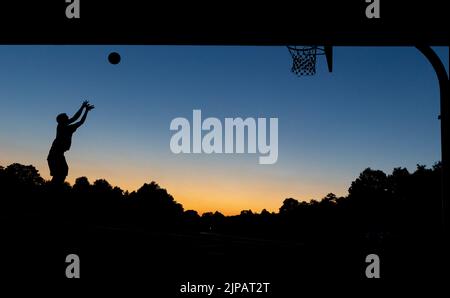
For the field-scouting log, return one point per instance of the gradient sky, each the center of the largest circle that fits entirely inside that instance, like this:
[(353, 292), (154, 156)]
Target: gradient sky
[(378, 109)]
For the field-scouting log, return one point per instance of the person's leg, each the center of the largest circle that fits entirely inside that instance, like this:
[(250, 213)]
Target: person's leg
[(51, 164), (58, 168), (64, 168), (58, 179)]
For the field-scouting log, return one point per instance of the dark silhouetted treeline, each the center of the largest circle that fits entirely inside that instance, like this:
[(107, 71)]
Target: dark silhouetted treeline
[(120, 234), (379, 206)]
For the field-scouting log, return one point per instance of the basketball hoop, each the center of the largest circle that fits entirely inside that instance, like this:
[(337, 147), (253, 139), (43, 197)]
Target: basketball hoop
[(304, 59)]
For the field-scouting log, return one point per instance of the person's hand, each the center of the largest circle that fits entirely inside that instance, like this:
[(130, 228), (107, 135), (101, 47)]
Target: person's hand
[(89, 107), (85, 104)]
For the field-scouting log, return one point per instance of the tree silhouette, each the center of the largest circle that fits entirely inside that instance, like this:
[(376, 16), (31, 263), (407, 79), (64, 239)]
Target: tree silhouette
[(22, 176), (396, 215), (289, 205)]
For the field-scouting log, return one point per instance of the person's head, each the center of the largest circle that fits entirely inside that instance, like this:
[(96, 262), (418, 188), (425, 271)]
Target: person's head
[(62, 118)]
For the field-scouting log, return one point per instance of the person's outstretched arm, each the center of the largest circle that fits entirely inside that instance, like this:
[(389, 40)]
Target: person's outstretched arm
[(78, 113), (79, 123)]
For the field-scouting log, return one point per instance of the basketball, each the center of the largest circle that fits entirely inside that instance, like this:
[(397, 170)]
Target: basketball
[(114, 58)]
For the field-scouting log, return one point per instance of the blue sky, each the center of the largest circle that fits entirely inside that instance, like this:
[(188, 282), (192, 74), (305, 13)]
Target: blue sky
[(377, 109)]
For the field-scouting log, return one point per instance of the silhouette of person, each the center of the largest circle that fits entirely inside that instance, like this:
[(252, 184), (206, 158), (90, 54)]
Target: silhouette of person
[(64, 131)]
